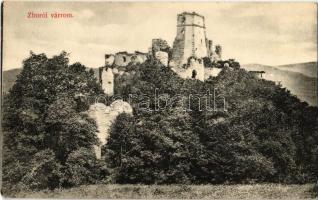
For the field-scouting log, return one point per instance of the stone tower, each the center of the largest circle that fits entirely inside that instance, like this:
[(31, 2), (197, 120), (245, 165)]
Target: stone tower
[(190, 40)]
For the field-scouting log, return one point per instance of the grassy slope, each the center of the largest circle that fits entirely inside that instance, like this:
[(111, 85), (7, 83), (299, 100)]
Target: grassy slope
[(256, 191)]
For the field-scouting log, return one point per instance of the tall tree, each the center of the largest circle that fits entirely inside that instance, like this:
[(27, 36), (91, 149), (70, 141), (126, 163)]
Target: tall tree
[(41, 114)]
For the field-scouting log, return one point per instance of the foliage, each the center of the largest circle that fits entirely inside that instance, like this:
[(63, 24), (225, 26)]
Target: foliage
[(157, 150), (43, 171), (84, 168), (266, 134), (256, 132), (43, 121)]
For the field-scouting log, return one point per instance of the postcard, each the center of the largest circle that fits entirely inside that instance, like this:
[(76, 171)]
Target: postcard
[(159, 100)]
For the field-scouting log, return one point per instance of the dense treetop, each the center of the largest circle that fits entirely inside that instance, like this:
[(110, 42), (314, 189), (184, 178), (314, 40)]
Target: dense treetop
[(44, 122), (265, 133)]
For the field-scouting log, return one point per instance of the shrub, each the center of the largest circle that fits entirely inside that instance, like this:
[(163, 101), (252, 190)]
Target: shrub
[(43, 171), (82, 168)]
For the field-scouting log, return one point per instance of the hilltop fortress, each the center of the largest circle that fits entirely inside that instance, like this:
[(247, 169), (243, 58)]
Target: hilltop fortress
[(188, 57), (193, 56)]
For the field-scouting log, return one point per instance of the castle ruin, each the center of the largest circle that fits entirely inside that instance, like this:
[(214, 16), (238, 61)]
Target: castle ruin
[(191, 48)]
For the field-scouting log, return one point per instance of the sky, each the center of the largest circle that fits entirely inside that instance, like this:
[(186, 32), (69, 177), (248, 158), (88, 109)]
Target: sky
[(264, 33)]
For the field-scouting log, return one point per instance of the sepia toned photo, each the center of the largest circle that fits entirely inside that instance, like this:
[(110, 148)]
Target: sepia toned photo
[(159, 100)]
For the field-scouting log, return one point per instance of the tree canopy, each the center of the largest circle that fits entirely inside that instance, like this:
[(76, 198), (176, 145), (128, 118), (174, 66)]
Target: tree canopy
[(43, 122), (265, 133)]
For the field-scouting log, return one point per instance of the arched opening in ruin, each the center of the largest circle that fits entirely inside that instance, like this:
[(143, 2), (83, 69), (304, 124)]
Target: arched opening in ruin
[(124, 59), (194, 74)]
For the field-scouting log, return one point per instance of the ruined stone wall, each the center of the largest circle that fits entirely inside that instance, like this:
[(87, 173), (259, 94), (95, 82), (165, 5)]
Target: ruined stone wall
[(139, 58), (159, 45), (109, 59), (105, 117), (209, 47), (193, 67), (107, 80), (211, 71), (162, 57), (160, 50), (178, 51), (123, 58), (218, 51)]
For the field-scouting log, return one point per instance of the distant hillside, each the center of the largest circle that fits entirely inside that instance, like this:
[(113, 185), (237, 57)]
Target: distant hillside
[(308, 69), (8, 79), (303, 86)]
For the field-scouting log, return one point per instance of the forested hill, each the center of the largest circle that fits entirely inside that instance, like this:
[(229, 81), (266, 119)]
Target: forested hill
[(265, 133), (252, 131), (309, 68)]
